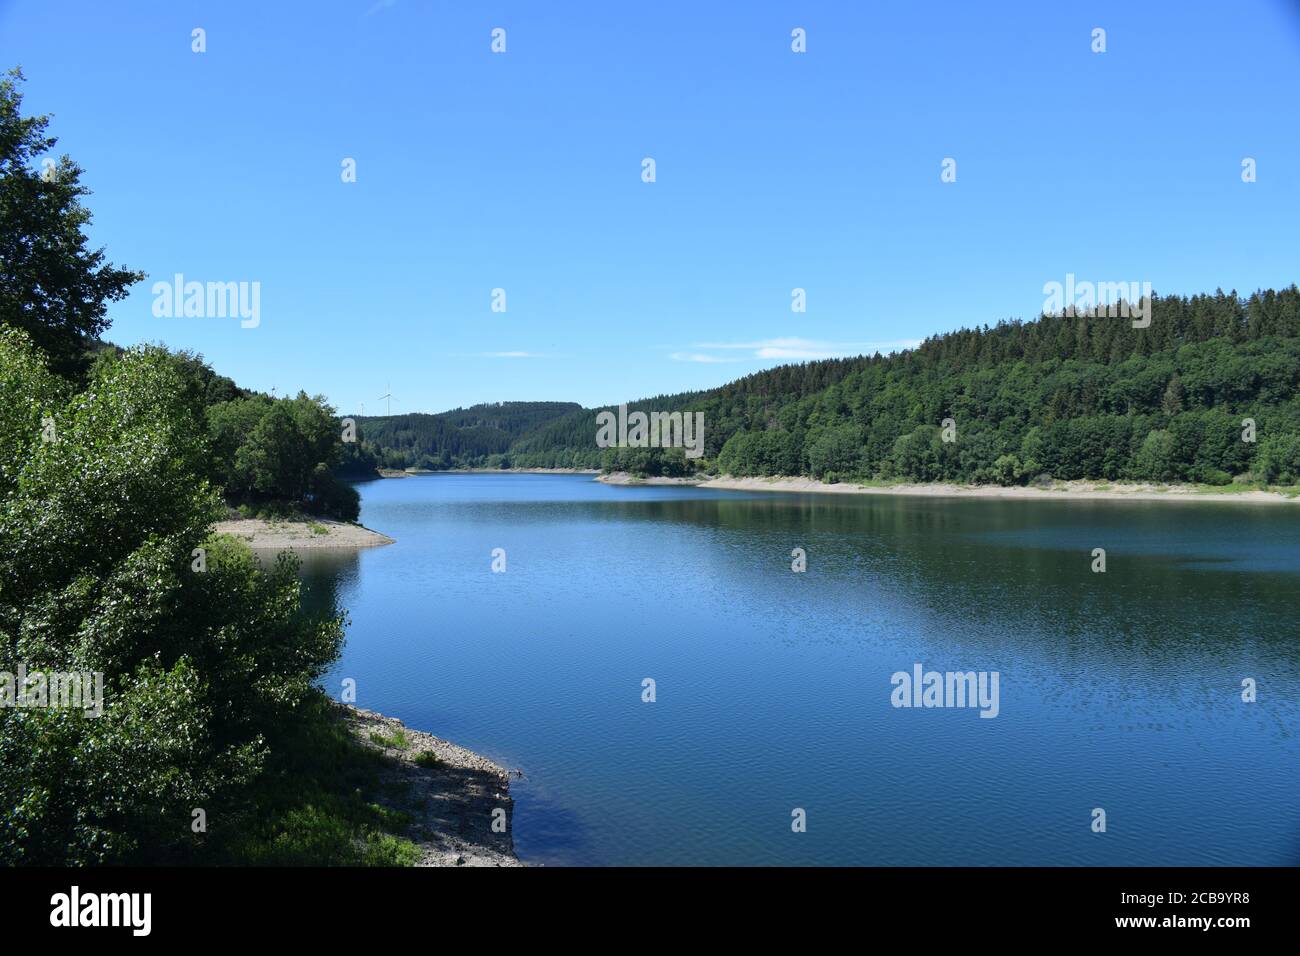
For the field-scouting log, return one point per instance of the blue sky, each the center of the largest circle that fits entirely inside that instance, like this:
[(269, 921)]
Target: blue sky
[(775, 170)]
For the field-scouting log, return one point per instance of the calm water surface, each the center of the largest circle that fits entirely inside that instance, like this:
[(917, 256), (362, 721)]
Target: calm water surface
[(1119, 690)]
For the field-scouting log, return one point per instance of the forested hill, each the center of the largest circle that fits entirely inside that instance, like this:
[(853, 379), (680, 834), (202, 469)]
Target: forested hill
[(461, 438), (1069, 397)]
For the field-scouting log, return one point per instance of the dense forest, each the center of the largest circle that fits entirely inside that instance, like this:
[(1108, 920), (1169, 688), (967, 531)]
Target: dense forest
[(1061, 397), (476, 437), (270, 456), (1070, 398)]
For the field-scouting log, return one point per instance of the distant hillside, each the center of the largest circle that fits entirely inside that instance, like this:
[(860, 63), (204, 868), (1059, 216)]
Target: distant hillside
[(563, 434), (462, 438), (571, 440), (1070, 397)]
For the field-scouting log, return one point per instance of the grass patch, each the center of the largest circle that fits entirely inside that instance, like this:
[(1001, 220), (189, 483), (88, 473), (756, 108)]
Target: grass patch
[(878, 482), (1232, 489), (397, 740), (427, 758), (1243, 487), (313, 806), (383, 849)]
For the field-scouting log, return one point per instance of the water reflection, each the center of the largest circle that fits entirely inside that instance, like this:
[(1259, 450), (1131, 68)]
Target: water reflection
[(1119, 689)]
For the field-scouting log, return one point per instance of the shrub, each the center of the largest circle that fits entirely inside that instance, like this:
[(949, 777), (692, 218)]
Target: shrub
[(1155, 459), (1213, 476), (202, 671), (1278, 459), (1007, 470)]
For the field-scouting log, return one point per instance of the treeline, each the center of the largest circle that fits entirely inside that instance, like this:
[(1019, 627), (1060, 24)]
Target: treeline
[(270, 452), (477, 437), (269, 455), (1069, 398), (565, 435), (1206, 393)]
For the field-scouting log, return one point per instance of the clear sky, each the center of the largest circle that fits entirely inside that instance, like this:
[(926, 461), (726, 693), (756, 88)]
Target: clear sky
[(774, 170)]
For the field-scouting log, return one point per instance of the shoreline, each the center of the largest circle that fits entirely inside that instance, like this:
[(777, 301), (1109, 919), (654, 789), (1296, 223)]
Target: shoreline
[(297, 534), (1059, 491), (450, 794), (402, 473)]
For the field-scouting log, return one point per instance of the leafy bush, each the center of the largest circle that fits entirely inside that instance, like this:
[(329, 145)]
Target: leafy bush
[(203, 670), (1155, 460), (1278, 460), (1007, 470), (1213, 476)]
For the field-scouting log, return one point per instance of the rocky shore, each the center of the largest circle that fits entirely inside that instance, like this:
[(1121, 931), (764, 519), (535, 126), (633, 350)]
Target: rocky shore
[(452, 796)]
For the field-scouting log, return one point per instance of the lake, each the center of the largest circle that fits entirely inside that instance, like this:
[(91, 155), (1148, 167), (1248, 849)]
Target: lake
[(1119, 691)]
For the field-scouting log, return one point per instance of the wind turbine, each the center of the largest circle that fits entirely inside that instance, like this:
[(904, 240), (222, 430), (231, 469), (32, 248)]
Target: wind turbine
[(388, 394)]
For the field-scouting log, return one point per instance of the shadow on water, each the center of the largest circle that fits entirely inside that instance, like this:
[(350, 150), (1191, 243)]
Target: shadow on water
[(327, 575)]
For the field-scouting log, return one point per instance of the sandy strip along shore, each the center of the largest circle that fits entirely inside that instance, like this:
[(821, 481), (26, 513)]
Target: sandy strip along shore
[(403, 473), (1061, 490), (300, 533)]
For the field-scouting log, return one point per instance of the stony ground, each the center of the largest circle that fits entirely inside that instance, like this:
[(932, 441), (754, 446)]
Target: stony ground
[(296, 533), (1063, 490), (451, 801)]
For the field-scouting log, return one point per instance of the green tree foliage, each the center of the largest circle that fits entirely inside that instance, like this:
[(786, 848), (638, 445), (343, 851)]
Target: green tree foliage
[(763, 453), (204, 670), (211, 387), (285, 450), (209, 661), (1279, 459), (53, 286), (1155, 459), (834, 450), (461, 438), (358, 460)]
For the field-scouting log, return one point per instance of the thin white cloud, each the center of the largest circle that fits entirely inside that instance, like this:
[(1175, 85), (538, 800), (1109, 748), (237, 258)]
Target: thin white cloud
[(700, 357), (381, 5), (510, 355), (805, 349)]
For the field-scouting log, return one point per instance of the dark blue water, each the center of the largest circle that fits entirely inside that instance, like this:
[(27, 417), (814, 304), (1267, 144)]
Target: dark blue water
[(1119, 691)]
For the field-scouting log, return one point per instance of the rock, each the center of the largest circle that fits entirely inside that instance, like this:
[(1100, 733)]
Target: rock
[(450, 804)]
